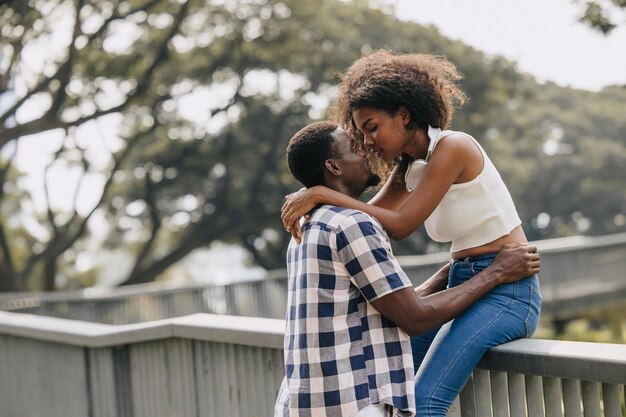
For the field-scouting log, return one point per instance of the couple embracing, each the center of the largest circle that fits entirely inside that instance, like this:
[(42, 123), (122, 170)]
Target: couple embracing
[(360, 340)]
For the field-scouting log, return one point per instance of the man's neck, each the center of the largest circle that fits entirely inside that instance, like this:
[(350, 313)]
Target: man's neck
[(342, 188)]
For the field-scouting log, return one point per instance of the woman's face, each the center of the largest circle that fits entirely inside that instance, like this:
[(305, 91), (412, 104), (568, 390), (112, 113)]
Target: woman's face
[(385, 134)]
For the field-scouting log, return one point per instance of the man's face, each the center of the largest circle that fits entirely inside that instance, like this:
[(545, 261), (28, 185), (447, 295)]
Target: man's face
[(356, 173)]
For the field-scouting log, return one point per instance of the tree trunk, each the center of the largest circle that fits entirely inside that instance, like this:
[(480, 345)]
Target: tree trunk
[(50, 272), (9, 280)]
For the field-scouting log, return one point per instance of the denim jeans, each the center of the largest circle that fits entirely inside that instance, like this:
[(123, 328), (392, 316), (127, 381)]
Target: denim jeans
[(445, 357)]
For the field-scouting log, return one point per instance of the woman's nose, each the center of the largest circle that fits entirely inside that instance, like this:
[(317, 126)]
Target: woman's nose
[(368, 141)]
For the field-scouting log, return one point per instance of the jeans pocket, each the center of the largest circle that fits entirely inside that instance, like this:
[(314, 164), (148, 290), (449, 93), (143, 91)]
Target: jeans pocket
[(534, 310)]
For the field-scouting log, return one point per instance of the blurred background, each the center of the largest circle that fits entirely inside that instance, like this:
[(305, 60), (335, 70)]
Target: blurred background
[(144, 140)]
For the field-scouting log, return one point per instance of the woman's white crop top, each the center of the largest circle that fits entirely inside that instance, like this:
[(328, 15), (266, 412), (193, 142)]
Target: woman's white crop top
[(473, 213)]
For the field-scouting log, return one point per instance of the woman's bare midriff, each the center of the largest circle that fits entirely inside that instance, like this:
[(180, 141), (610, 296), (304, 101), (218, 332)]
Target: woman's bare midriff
[(516, 235)]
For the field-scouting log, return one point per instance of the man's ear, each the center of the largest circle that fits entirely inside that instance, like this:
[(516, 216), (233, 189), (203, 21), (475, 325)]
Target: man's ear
[(332, 166)]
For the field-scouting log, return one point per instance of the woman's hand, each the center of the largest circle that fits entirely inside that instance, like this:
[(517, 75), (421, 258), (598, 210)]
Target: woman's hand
[(296, 205), (444, 271)]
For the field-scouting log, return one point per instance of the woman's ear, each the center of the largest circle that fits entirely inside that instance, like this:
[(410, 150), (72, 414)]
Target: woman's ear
[(332, 166), (405, 115)]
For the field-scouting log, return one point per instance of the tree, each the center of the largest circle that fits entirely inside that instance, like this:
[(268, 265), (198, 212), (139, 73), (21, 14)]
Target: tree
[(567, 168), (599, 15), (69, 93), (170, 177), (200, 98)]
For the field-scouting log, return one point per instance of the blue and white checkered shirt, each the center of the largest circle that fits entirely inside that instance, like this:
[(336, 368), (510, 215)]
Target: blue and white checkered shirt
[(341, 354)]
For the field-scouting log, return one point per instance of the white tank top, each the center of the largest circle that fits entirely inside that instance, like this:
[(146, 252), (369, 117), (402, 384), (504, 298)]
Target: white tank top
[(476, 212)]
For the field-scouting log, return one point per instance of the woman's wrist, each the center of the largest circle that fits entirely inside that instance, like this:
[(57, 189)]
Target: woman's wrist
[(317, 194)]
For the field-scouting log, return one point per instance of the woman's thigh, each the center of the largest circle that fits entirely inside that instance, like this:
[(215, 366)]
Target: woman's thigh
[(459, 344), (510, 312)]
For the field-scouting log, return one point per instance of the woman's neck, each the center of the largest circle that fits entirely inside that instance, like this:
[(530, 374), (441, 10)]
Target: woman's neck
[(417, 143)]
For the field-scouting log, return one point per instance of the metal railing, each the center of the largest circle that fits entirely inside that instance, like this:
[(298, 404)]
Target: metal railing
[(578, 274), (216, 365)]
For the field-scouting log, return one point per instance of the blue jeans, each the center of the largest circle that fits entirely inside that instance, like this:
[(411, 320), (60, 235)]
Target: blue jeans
[(445, 357)]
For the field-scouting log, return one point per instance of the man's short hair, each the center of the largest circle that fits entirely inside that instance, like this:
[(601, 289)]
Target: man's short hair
[(308, 150)]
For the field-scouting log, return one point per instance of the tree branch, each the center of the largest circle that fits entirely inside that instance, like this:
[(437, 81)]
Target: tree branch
[(65, 71), (46, 190), (48, 121), (204, 232), (74, 232), (6, 251), (4, 244), (155, 221)]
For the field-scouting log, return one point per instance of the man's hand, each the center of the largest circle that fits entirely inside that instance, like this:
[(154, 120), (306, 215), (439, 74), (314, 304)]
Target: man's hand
[(516, 261)]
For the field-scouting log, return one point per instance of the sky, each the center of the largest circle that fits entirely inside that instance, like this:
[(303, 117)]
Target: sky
[(543, 37)]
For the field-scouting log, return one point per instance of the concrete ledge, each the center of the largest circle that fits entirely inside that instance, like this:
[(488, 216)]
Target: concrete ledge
[(562, 244), (80, 333), (251, 331), (576, 360)]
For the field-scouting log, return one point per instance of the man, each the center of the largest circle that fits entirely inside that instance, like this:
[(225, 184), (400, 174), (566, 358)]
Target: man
[(351, 308)]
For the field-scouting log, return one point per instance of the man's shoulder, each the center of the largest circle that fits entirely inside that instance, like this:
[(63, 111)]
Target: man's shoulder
[(347, 224), (340, 217)]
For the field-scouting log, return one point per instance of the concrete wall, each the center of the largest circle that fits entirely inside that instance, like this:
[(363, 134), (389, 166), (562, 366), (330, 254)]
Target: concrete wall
[(213, 365)]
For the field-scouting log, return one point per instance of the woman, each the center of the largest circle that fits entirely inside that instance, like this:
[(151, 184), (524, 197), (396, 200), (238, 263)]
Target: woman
[(397, 106)]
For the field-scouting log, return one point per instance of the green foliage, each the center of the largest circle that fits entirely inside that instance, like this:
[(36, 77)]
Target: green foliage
[(562, 152), (590, 328), (209, 93), (600, 15)]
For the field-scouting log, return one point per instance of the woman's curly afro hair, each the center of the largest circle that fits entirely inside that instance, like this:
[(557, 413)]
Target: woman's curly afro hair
[(426, 85)]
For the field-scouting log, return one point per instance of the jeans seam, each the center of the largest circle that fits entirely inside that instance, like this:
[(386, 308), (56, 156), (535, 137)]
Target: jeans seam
[(530, 306), (530, 301)]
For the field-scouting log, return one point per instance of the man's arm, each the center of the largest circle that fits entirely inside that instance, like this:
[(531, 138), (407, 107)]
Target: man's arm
[(417, 312)]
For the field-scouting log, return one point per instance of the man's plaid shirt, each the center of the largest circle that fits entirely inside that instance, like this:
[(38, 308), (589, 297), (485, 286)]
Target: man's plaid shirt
[(340, 353)]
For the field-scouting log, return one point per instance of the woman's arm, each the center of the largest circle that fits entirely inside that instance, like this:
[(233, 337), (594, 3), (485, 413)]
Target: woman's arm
[(393, 193), (446, 165), (437, 282), (390, 196)]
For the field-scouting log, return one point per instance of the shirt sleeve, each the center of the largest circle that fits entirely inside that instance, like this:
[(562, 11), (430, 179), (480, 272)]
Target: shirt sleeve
[(364, 250), (281, 406)]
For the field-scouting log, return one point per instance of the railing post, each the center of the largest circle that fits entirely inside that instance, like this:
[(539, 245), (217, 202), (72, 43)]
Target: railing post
[(534, 396), (611, 400), (467, 398), (572, 401), (517, 395), (482, 386), (553, 396), (591, 398)]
